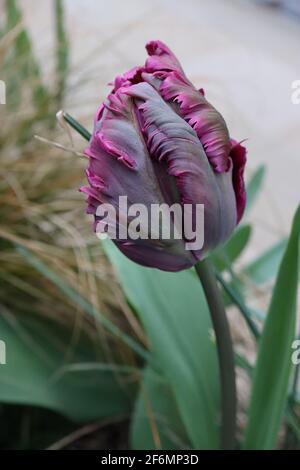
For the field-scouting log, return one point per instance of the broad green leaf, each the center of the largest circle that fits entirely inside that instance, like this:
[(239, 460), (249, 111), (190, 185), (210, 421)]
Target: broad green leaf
[(254, 186), (272, 371), (226, 255), (156, 423), (265, 267), (36, 350), (173, 310)]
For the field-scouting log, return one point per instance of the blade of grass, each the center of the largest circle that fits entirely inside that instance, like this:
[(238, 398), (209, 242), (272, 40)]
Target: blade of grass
[(82, 302), (239, 302), (23, 55), (77, 127), (62, 52)]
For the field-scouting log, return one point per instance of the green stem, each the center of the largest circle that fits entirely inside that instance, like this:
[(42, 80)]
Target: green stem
[(214, 299)]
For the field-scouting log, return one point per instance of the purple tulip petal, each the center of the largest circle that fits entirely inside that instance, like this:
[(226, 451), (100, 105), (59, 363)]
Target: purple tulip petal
[(202, 116), (157, 140), (118, 153), (171, 139), (161, 58)]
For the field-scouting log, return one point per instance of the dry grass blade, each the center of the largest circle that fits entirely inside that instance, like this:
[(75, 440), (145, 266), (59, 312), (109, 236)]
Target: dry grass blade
[(42, 211)]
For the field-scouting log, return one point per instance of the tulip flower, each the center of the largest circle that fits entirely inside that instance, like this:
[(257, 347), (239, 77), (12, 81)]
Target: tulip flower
[(157, 140)]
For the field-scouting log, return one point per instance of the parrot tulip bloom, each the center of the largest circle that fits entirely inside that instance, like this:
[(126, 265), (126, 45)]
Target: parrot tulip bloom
[(157, 140)]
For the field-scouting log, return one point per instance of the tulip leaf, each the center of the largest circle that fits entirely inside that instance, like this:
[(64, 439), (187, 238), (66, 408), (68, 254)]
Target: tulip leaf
[(265, 267), (273, 367), (226, 255), (173, 310), (36, 348), (156, 423), (254, 186)]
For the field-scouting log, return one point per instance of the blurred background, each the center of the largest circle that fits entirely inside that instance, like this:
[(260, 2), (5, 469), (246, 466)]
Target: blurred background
[(244, 53), (71, 379)]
